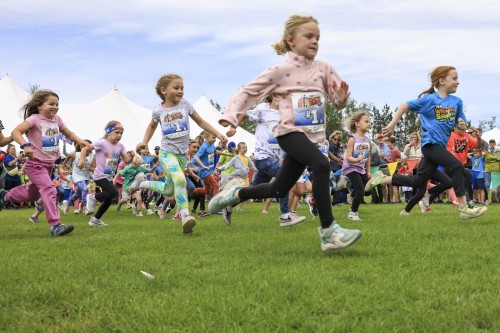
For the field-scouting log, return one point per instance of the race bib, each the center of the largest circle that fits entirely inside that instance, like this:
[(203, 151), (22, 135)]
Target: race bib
[(175, 125), (309, 111), (50, 137)]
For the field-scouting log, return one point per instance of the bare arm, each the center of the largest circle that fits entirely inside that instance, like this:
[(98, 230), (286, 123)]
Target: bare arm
[(386, 131), (5, 140), (200, 163), (150, 130)]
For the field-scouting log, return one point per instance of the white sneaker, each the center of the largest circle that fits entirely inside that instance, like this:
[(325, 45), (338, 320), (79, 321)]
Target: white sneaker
[(353, 216), (96, 222), (64, 207), (423, 207), (139, 214), (129, 205), (135, 209), (86, 211), (291, 220), (150, 212), (404, 213), (91, 203), (425, 199), (78, 210), (188, 224)]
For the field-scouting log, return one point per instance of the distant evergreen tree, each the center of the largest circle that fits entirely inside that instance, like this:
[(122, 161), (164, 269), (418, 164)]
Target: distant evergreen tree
[(486, 125)]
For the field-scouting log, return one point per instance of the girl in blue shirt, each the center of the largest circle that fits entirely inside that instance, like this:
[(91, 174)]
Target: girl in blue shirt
[(439, 113)]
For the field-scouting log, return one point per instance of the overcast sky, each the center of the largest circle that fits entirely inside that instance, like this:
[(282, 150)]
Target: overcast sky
[(384, 49)]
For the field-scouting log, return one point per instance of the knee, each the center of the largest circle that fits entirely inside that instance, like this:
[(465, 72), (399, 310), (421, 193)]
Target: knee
[(322, 165)]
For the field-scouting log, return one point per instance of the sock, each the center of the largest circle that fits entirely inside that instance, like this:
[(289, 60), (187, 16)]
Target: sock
[(285, 216), (184, 212)]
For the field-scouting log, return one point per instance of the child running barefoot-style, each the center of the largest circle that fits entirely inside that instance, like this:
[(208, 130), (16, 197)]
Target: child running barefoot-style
[(356, 165), (439, 112), (301, 86), (108, 150), (173, 116), (42, 125)]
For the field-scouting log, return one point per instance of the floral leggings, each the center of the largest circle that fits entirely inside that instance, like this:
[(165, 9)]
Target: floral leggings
[(175, 180)]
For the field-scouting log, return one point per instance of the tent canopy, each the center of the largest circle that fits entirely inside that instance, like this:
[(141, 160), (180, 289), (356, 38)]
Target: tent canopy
[(88, 120), (492, 134)]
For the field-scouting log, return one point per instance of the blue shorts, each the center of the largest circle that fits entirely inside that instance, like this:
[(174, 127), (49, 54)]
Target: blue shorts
[(478, 184)]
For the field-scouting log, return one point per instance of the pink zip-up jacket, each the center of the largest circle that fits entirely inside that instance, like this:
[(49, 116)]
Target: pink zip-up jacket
[(299, 85)]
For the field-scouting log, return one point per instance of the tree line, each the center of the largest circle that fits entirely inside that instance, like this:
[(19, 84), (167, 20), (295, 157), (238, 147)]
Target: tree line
[(409, 123)]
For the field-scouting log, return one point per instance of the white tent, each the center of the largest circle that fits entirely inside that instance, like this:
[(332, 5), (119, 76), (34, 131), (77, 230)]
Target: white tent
[(209, 113), (492, 134), (88, 120), (12, 98)]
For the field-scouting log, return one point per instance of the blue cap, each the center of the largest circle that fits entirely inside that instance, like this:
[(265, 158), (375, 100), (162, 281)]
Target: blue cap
[(230, 146)]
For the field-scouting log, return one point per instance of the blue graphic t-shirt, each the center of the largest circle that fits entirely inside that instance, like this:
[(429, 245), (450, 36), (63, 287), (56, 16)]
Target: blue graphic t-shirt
[(206, 154), (477, 166), (438, 116)]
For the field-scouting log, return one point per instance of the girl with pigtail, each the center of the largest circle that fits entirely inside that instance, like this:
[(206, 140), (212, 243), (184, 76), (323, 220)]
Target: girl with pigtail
[(440, 111)]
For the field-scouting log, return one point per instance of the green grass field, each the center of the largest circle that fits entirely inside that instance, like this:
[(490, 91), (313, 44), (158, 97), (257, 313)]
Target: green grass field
[(418, 273)]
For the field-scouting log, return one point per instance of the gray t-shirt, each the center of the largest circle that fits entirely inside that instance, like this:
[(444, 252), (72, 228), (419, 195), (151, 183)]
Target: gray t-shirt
[(174, 126)]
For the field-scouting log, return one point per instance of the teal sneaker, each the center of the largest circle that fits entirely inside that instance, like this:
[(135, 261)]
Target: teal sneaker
[(375, 180), (337, 238), (225, 197), (61, 230)]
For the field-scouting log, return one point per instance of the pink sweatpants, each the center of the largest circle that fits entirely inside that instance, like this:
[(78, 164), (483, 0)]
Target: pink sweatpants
[(40, 185)]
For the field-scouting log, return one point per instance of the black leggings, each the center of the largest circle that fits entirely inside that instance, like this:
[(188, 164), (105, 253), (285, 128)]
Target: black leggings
[(106, 196), (300, 152), (467, 182), (198, 198), (434, 155), (358, 181)]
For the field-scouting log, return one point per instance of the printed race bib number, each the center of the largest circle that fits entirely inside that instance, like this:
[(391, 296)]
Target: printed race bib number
[(175, 125), (50, 137), (309, 111)]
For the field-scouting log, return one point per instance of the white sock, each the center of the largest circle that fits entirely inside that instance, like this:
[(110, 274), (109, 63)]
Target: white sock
[(285, 216), (184, 212), (144, 185)]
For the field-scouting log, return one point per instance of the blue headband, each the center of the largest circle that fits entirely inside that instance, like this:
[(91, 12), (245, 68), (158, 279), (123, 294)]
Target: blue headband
[(113, 127)]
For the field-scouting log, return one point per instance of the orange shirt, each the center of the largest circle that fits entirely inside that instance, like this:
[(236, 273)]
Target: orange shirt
[(459, 145)]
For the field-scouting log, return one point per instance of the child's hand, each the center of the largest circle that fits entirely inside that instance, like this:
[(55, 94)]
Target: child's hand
[(231, 131), (222, 139), (342, 91), (28, 151), (140, 145), (387, 131)]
